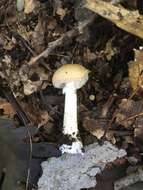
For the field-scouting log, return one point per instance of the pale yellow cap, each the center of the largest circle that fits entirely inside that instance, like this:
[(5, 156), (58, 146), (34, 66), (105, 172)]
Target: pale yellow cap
[(70, 73)]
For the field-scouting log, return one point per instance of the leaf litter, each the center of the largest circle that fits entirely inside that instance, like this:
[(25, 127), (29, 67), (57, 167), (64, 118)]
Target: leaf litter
[(36, 40)]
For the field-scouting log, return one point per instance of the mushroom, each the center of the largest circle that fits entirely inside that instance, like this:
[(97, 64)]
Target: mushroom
[(70, 77)]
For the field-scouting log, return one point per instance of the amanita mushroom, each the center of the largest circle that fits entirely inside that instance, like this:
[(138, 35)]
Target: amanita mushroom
[(70, 77)]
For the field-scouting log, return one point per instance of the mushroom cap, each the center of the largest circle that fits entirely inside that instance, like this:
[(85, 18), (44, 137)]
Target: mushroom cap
[(70, 73)]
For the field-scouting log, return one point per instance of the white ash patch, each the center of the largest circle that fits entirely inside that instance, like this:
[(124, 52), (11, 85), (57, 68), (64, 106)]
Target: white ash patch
[(76, 171)]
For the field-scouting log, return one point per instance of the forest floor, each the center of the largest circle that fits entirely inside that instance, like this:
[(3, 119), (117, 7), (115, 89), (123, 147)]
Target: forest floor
[(40, 36)]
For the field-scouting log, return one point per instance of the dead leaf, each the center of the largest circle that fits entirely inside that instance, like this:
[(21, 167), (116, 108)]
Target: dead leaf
[(88, 55), (129, 115), (44, 118), (129, 139), (110, 137), (136, 70), (121, 119), (37, 36), (52, 23), (6, 108), (125, 111), (33, 79), (29, 87), (29, 6), (94, 127), (59, 10), (97, 128), (110, 51), (36, 115), (138, 131)]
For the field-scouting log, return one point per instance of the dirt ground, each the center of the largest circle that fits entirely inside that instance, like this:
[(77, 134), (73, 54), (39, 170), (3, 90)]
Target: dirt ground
[(39, 37)]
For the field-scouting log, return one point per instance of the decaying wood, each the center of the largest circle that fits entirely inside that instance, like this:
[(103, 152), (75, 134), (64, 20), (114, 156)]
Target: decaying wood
[(130, 21)]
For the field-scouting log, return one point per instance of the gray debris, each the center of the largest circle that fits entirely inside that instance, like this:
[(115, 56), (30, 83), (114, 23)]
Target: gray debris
[(136, 186), (14, 156), (130, 179), (77, 171)]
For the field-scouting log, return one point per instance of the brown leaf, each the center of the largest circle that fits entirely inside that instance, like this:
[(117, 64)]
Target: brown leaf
[(6, 107), (29, 87), (38, 79), (97, 128), (94, 127), (37, 36), (135, 70), (127, 109), (58, 9), (29, 6), (138, 132), (89, 56), (61, 12), (35, 114), (130, 115)]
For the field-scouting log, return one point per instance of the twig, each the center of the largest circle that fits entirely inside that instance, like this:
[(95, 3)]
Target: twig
[(68, 36), (130, 21), (132, 117), (108, 105)]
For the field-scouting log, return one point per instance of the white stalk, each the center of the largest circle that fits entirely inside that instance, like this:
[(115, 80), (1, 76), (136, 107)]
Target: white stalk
[(70, 110), (70, 126)]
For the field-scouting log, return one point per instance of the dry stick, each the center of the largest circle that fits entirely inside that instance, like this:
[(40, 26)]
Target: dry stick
[(109, 125), (126, 119), (132, 117), (108, 104), (61, 41), (130, 21), (121, 132)]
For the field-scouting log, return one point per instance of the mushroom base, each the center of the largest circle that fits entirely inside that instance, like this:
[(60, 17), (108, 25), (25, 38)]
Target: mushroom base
[(75, 148)]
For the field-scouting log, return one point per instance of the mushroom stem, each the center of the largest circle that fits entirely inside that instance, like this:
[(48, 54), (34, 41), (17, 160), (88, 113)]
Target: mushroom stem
[(70, 126), (70, 110)]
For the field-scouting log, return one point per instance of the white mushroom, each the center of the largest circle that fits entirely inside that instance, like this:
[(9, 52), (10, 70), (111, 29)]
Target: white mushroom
[(70, 77)]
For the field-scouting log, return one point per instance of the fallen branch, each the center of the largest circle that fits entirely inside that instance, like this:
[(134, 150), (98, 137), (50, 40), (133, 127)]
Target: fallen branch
[(68, 36), (130, 21)]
